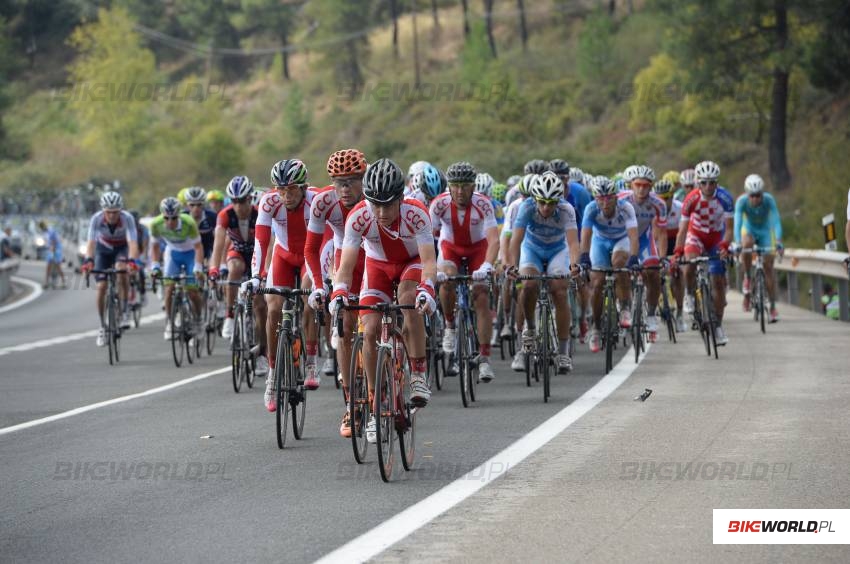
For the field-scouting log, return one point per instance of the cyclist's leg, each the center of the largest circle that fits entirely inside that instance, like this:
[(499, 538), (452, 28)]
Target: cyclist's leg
[(530, 264), (104, 259), (619, 258), (763, 240), (558, 290), (600, 257), (481, 303), (717, 270), (694, 247), (349, 319), (447, 263), (377, 288), (652, 278)]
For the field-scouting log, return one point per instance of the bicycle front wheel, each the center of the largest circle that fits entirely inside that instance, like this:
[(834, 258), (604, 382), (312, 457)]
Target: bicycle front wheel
[(188, 329), (464, 367), (111, 327), (405, 420), (760, 291), (281, 377), (384, 414), (611, 331), (297, 394), (236, 352), (177, 323), (358, 402), (544, 358)]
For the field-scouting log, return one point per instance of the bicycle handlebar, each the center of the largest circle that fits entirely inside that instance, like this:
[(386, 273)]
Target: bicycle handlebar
[(285, 292)]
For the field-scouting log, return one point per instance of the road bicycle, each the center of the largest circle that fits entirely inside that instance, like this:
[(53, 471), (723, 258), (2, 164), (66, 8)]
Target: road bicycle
[(243, 346), (112, 311), (705, 319), (182, 321), (610, 318)]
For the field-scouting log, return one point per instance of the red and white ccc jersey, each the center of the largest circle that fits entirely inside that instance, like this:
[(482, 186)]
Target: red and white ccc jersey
[(327, 211), (462, 227), (399, 243), (289, 227)]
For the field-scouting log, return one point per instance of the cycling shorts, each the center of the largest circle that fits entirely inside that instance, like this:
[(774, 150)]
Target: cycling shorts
[(532, 256), (706, 244), (105, 258), (284, 268), (380, 276), (601, 249), (176, 259), (648, 252)]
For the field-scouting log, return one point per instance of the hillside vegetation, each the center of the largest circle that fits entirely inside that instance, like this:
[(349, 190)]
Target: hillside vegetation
[(600, 90)]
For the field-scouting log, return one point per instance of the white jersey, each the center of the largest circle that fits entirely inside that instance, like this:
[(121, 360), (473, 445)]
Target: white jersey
[(462, 227), (674, 216), (399, 243), (289, 233), (651, 208), (512, 195), (419, 196), (511, 214), (111, 236)]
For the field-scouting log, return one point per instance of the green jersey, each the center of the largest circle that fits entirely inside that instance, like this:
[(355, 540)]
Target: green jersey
[(181, 238)]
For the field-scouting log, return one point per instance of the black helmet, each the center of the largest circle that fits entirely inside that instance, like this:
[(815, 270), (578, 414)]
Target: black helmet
[(559, 167), (461, 173), (383, 182), (536, 166)]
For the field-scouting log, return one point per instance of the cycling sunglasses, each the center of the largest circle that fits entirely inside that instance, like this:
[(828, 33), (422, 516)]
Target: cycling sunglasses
[(708, 183), (240, 200), (546, 202)]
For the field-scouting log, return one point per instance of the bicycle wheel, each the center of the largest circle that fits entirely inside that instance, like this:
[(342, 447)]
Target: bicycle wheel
[(188, 330), (297, 395), (611, 331), (281, 377), (177, 323), (463, 364), (116, 332), (710, 321), (637, 321), (384, 414), (210, 323), (110, 329), (358, 402), (405, 420), (760, 291), (544, 360), (236, 351), (473, 354)]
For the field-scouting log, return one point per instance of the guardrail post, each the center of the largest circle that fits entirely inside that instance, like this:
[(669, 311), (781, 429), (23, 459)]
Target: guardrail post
[(843, 311), (817, 292), (793, 288)]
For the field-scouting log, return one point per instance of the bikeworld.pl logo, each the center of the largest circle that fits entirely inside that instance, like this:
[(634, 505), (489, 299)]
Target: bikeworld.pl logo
[(781, 526), (141, 470)]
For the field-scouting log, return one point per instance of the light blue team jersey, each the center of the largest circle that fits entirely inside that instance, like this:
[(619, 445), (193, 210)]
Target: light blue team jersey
[(761, 219), (615, 227), (53, 239), (545, 233)]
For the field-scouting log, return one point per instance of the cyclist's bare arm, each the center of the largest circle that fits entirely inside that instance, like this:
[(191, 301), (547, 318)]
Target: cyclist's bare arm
[(634, 243), (683, 233), (347, 262), (516, 245), (427, 256), (572, 242), (492, 245), (586, 235), (218, 246)]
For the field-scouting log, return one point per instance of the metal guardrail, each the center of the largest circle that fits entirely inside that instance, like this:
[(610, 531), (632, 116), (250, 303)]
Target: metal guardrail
[(819, 265), (8, 267)]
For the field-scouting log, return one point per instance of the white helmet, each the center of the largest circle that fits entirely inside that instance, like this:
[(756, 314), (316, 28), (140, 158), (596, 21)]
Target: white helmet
[(239, 187), (707, 170), (547, 186), (416, 168), (111, 201), (754, 184), (196, 195), (484, 183), (576, 175), (643, 171)]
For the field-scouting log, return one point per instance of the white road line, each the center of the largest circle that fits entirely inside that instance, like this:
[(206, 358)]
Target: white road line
[(396, 528), (69, 338), (37, 290), (86, 408)]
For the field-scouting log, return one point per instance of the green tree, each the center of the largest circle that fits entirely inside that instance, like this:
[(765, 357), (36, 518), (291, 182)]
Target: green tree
[(346, 21), (745, 42), (218, 154), (210, 22), (113, 81), (297, 119), (270, 17)]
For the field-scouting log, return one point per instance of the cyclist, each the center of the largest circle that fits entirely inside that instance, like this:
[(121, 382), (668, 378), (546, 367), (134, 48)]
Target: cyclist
[(707, 228), (664, 190), (466, 225), (112, 240), (396, 234), (182, 248), (54, 253), (513, 192), (578, 197), (285, 210), (757, 215), (498, 195), (196, 200), (484, 184), (427, 185), (523, 187), (609, 239), (144, 236), (651, 215), (234, 246), (545, 230), (330, 208), (687, 179), (535, 166), (215, 201), (675, 180), (412, 171)]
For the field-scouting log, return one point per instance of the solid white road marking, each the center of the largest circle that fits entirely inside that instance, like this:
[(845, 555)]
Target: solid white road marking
[(37, 290), (86, 408), (69, 338), (401, 525)]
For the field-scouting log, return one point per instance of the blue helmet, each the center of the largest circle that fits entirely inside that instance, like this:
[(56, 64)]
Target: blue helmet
[(428, 181)]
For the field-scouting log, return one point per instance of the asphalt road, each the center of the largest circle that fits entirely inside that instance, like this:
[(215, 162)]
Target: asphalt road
[(194, 473)]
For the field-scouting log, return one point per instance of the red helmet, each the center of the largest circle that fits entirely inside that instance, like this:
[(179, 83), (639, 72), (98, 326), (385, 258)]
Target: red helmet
[(347, 162)]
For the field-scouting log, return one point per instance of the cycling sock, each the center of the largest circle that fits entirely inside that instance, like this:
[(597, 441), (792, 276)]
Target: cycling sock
[(484, 350), (563, 346), (418, 365), (312, 349)]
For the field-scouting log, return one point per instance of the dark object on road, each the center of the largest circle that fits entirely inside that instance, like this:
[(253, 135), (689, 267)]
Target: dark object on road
[(646, 393)]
